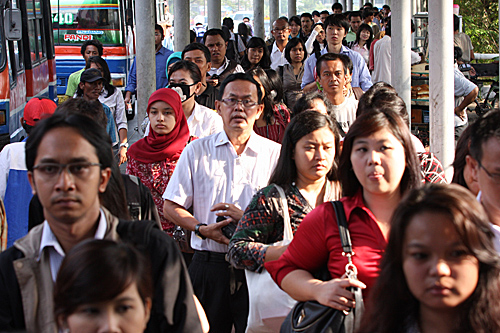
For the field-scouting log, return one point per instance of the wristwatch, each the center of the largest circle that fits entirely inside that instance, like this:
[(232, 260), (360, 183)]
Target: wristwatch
[(197, 230), (125, 144)]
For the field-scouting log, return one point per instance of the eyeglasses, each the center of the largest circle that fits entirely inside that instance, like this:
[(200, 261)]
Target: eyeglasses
[(247, 103), (494, 176), (51, 171)]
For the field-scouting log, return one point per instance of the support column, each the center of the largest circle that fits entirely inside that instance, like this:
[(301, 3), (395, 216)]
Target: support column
[(401, 50), (349, 5), (344, 5), (361, 3), (441, 91), (292, 8), (258, 19), (181, 26), (214, 19), (145, 55), (274, 12)]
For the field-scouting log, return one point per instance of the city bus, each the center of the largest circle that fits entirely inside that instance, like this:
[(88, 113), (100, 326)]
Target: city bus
[(27, 64), (109, 21)]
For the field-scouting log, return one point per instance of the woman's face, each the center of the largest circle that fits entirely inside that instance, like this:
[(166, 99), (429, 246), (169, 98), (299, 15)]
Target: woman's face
[(162, 117), (99, 68), (294, 28), (440, 271), (255, 55), (183, 77), (314, 154), (297, 53), (364, 35), (125, 313), (321, 36), (378, 161)]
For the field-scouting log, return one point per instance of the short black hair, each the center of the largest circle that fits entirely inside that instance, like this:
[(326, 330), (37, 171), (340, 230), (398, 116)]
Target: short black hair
[(337, 5), (457, 53), (198, 46), (456, 23), (315, 13), (382, 95), (160, 29), (228, 22), (483, 129), (306, 15), (337, 20), (293, 43), (368, 4), (354, 14), (346, 62), (325, 12), (305, 102), (85, 126), (367, 12), (241, 77), (215, 32), (295, 19), (93, 42), (386, 7), (191, 67)]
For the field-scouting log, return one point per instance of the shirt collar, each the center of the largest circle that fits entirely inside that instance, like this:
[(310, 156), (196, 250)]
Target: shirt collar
[(162, 50), (275, 49), (223, 67), (50, 240), (252, 143), (197, 115)]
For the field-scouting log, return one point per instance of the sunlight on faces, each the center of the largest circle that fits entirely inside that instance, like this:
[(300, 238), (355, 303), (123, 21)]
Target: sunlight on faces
[(126, 313), (332, 77), (364, 35), (217, 47), (306, 23), (440, 271), (319, 106), (335, 34), (314, 154), (184, 76), (68, 199), (280, 30), (198, 57), (162, 117), (297, 53), (378, 161), (294, 28)]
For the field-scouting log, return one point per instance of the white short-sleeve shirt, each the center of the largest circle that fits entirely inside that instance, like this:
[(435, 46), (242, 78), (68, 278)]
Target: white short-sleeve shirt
[(209, 172)]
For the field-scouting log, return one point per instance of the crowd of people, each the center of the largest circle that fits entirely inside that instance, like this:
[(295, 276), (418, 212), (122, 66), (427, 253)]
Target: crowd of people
[(247, 144)]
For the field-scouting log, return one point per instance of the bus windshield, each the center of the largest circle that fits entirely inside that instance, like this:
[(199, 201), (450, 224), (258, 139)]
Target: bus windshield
[(3, 53), (75, 21)]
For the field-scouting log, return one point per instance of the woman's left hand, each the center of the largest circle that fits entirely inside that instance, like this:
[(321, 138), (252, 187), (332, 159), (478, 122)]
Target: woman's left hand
[(228, 210)]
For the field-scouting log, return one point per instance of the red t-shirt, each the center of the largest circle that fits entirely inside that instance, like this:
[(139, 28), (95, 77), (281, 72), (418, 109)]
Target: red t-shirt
[(317, 241)]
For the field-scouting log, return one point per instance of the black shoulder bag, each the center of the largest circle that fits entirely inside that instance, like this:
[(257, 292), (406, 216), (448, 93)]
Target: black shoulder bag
[(312, 317)]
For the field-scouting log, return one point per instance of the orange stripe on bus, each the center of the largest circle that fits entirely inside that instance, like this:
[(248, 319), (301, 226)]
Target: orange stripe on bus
[(75, 50)]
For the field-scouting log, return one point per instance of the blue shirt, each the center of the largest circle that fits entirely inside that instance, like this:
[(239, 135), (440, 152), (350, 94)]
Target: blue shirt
[(161, 70), (360, 74)]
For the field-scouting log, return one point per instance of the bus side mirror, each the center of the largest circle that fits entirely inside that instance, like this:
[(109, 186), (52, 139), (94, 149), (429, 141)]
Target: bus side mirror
[(13, 29)]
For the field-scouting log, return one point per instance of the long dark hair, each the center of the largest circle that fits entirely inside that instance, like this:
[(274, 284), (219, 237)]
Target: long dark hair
[(368, 123), (265, 62), (393, 307), (291, 44), (243, 32), (362, 27), (301, 125), (316, 45), (268, 99), (105, 73), (97, 271), (461, 152)]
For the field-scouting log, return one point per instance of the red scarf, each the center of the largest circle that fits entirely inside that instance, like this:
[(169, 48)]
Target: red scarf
[(158, 147)]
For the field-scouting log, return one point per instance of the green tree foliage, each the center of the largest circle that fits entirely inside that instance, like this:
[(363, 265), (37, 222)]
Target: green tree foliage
[(480, 22)]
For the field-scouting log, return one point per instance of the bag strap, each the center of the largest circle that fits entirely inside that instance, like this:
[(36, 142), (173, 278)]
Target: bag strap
[(345, 237), (287, 229)]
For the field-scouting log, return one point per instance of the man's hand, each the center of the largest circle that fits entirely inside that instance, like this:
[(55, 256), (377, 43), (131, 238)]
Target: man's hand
[(122, 151), (214, 232), (128, 96), (229, 210), (460, 113)]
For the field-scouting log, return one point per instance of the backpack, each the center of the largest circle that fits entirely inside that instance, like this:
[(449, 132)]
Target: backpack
[(232, 49)]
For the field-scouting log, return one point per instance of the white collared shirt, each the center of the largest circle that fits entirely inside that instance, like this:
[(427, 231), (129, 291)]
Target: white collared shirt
[(56, 252), (277, 57), (218, 71), (209, 172), (204, 121)]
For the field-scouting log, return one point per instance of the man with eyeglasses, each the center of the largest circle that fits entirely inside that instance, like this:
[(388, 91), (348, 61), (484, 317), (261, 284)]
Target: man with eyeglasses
[(217, 176), (280, 31), (69, 165), (484, 160), (216, 41)]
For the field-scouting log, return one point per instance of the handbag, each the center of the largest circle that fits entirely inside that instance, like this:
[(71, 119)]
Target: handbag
[(268, 304), (312, 317)]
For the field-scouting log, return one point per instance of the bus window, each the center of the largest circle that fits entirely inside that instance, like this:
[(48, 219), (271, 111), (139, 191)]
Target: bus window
[(32, 40), (42, 47), (18, 55), (3, 55), (76, 21)]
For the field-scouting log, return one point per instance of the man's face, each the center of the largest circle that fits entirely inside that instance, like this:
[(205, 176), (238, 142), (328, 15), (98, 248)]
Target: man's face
[(158, 37), (217, 47), (323, 17), (281, 31), (368, 19), (386, 12), (91, 90), (332, 77), (72, 195), (238, 118), (489, 184), (337, 11), (198, 57), (306, 23), (316, 18), (355, 23), (335, 34), (90, 51)]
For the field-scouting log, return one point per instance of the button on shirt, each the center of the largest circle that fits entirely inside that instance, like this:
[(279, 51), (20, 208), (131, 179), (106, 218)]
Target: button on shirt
[(218, 71), (161, 71), (360, 74), (277, 57), (209, 172), (56, 252)]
